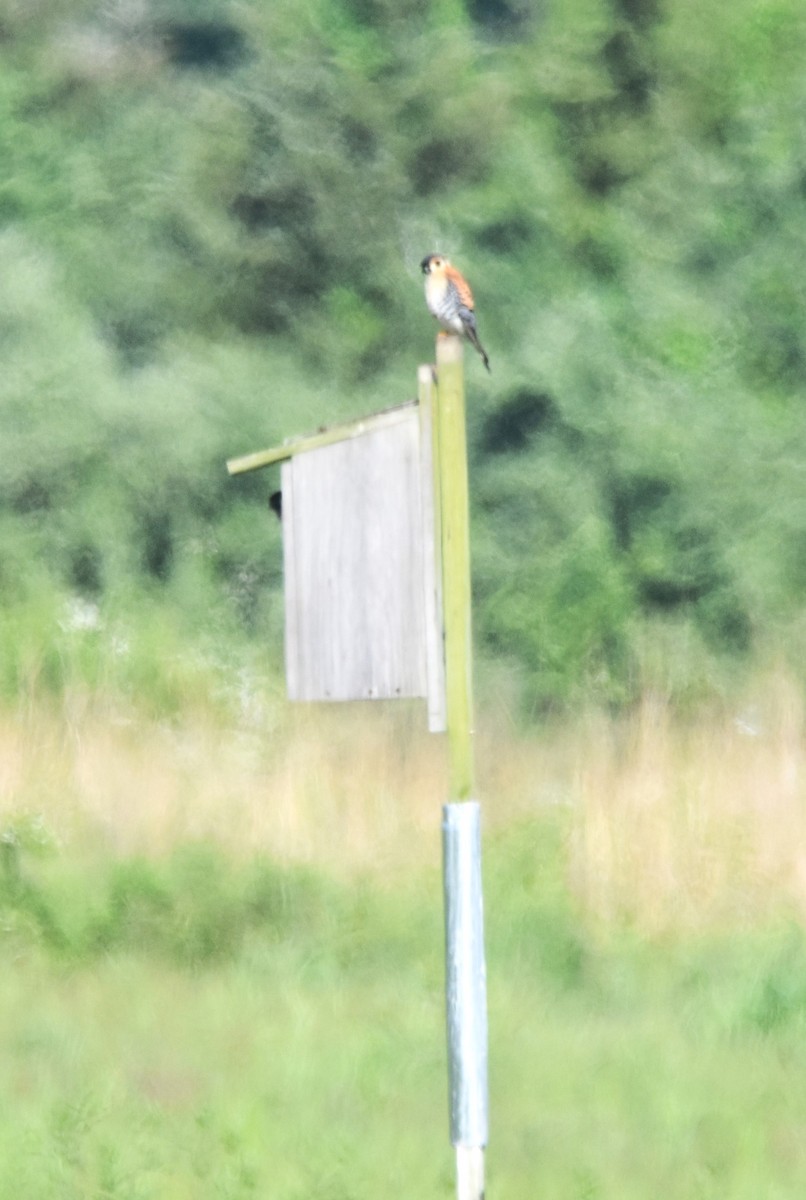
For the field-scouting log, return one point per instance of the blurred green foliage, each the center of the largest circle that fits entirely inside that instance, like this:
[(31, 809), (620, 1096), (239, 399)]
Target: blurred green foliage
[(211, 216)]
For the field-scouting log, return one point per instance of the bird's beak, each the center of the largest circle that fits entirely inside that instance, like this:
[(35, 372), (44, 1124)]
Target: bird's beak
[(425, 266)]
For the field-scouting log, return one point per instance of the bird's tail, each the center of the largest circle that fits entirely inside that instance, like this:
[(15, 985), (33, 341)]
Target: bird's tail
[(469, 326)]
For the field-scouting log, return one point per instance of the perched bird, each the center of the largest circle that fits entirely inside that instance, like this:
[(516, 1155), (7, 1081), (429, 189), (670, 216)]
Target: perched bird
[(450, 300)]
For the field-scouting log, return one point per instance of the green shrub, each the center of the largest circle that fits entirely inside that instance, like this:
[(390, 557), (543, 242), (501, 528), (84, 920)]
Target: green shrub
[(212, 219)]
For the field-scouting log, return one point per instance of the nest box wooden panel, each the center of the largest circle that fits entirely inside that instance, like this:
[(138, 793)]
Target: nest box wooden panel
[(363, 615), (353, 554)]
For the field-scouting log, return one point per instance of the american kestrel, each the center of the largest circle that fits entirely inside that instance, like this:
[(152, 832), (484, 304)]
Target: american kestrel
[(450, 300)]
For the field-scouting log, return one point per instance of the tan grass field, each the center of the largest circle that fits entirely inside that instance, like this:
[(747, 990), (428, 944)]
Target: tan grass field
[(671, 823)]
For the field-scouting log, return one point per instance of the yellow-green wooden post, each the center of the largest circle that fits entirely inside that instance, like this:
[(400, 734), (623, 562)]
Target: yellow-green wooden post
[(466, 1000), (451, 457)]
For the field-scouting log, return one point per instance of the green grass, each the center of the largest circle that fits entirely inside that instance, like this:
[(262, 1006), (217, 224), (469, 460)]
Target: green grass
[(135, 1079), (201, 1026)]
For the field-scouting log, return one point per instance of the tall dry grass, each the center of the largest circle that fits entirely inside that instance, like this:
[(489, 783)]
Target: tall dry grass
[(695, 822), (670, 822), (347, 787)]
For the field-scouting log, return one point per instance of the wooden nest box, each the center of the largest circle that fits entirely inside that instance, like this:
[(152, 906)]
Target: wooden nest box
[(361, 559)]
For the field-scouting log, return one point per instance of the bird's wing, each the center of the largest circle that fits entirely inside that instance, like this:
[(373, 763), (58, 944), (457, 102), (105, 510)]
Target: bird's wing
[(460, 286)]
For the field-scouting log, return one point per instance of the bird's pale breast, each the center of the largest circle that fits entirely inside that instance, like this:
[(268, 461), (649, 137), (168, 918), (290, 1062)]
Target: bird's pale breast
[(443, 303)]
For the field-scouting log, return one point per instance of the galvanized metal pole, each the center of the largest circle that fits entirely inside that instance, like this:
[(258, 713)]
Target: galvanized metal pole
[(466, 994), (466, 991)]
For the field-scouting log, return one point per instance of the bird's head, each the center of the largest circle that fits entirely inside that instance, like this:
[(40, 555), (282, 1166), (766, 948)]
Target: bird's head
[(433, 263)]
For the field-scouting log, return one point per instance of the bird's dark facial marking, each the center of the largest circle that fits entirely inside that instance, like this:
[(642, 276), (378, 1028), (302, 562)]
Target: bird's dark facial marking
[(428, 262)]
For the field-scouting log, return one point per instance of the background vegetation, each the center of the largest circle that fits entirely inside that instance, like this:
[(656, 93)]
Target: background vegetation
[(211, 216), (220, 919)]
